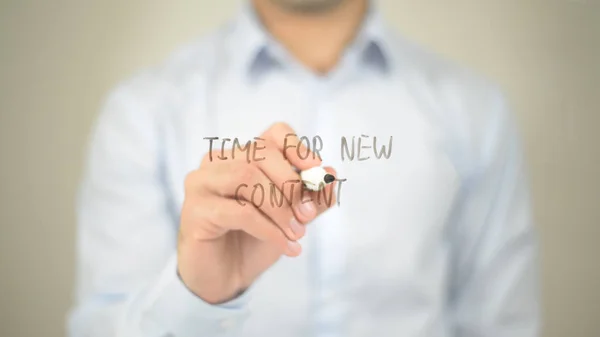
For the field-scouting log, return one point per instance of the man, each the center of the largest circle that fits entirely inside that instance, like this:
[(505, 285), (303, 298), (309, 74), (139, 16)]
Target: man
[(430, 230)]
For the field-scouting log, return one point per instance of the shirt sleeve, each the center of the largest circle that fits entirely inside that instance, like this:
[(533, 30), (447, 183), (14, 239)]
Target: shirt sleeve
[(127, 282), (495, 281)]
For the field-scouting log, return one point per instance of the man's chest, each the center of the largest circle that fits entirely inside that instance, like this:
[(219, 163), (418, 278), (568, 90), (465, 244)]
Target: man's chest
[(383, 242)]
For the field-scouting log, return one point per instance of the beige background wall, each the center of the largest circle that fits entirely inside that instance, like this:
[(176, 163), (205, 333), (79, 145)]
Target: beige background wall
[(58, 59)]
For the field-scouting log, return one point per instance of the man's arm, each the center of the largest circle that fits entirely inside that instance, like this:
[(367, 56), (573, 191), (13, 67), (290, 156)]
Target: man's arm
[(495, 281), (127, 284)]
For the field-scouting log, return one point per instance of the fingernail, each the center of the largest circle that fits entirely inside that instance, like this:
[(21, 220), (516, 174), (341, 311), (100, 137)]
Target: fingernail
[(297, 228), (294, 247), (307, 209)]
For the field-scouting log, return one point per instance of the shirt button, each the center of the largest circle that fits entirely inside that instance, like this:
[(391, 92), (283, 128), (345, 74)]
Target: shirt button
[(228, 323)]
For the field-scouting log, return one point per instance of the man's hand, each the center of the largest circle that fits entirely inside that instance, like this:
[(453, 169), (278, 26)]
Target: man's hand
[(224, 246)]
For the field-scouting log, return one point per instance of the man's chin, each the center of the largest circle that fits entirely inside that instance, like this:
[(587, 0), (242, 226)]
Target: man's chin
[(308, 6)]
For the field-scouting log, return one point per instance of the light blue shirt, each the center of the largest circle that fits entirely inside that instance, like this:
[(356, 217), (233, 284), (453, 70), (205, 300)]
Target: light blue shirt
[(436, 240)]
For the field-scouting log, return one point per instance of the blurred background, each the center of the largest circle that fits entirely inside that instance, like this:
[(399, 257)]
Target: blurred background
[(58, 60)]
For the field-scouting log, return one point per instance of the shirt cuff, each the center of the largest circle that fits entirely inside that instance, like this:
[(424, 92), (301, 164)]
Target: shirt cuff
[(178, 311)]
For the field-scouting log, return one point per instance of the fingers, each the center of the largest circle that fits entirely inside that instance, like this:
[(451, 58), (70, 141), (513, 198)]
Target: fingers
[(293, 150), (213, 216), (281, 172), (265, 192), (325, 198), (226, 215), (250, 187), (272, 186)]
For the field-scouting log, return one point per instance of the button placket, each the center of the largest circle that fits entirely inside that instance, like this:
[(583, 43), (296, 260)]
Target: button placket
[(330, 262), (228, 323)]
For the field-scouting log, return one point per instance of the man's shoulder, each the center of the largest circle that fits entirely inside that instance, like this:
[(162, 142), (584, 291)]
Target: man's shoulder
[(189, 63), (470, 107), (438, 76)]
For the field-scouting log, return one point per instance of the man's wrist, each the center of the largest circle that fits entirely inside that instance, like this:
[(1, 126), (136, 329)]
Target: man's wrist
[(179, 310), (212, 296)]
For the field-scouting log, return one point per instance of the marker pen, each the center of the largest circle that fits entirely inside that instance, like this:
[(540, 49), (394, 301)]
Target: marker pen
[(316, 178)]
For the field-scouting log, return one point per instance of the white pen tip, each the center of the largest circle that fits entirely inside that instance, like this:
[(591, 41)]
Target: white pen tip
[(316, 178)]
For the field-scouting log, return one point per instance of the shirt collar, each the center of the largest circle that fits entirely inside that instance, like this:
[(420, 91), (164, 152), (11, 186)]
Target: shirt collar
[(254, 46), (372, 41)]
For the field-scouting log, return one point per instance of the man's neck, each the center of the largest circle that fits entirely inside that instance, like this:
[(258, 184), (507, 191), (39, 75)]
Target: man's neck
[(317, 40)]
